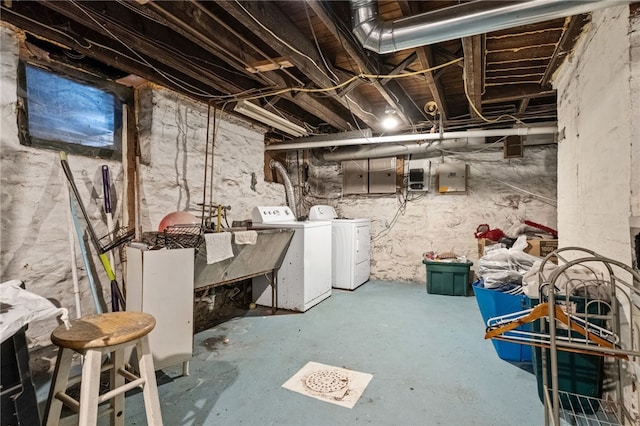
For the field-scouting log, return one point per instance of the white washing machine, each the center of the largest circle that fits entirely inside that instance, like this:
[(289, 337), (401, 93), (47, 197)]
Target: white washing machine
[(351, 243), (304, 279)]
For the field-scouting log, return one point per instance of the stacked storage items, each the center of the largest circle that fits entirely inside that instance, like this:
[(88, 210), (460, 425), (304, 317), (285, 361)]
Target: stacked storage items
[(580, 297), (499, 292)]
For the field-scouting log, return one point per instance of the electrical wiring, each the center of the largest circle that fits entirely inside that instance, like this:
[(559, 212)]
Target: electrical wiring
[(473, 107), (400, 212), (49, 27), (315, 39), (182, 85)]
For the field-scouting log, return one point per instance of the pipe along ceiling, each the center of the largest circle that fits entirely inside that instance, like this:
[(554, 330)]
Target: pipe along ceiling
[(462, 20)]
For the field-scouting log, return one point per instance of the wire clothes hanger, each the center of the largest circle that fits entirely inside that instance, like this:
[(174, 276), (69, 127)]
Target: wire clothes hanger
[(505, 328)]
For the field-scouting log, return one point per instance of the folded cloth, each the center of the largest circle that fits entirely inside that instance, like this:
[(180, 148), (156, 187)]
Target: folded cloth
[(246, 237), (218, 246)]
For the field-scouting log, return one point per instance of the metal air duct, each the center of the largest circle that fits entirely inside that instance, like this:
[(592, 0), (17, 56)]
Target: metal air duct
[(462, 20), (288, 186), (309, 143), (433, 142)]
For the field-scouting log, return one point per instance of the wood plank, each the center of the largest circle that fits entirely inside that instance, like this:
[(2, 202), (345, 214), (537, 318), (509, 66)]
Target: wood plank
[(397, 99), (291, 43), (211, 30), (425, 57), (473, 66)]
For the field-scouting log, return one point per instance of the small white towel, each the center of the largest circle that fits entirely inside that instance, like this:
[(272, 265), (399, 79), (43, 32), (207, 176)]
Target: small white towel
[(218, 246), (246, 237)]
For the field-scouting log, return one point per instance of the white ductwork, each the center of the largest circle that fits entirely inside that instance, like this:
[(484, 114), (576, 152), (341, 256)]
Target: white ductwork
[(462, 20), (414, 137), (288, 187), (457, 141)]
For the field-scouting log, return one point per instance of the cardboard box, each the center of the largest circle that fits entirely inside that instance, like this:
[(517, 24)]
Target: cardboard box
[(485, 244), (541, 247), (537, 246)]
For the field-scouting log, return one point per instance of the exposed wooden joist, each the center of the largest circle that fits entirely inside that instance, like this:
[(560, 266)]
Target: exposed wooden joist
[(473, 76), (513, 93), (425, 57), (397, 99), (199, 25), (95, 47), (109, 27), (573, 28), (293, 45)]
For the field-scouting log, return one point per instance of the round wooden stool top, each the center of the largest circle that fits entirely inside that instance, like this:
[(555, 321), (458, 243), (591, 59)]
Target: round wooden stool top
[(98, 331)]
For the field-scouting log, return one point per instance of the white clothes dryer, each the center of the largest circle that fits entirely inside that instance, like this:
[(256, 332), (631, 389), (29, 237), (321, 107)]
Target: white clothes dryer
[(351, 243), (304, 278)]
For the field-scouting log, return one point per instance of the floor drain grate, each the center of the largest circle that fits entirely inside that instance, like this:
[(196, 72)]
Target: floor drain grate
[(325, 381)]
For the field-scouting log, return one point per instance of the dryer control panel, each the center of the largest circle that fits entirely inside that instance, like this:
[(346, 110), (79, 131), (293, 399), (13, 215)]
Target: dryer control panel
[(322, 212), (272, 214)]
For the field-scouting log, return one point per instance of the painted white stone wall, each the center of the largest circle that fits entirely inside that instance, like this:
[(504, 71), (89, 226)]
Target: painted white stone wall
[(598, 160), (173, 146), (34, 239), (634, 83), (597, 120), (501, 192)]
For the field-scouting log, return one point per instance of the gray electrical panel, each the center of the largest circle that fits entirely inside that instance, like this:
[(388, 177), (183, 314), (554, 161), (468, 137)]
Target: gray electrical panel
[(418, 175), (355, 177), (382, 175)]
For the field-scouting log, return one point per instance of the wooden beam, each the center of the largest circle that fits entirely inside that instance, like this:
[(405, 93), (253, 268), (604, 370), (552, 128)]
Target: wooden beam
[(96, 47), (523, 105), (572, 30), (268, 65), (473, 76), (425, 56), (144, 46), (397, 99), (203, 27), (514, 93), (292, 44)]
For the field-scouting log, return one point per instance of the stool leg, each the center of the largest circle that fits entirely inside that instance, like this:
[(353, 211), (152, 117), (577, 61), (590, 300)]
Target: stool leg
[(150, 390), (59, 383), (117, 380), (90, 388)]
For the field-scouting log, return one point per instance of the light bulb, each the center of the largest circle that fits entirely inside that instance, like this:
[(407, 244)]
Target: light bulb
[(390, 122)]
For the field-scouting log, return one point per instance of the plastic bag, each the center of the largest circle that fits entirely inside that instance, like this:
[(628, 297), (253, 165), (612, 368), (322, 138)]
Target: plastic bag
[(19, 307), (504, 266), (581, 281)]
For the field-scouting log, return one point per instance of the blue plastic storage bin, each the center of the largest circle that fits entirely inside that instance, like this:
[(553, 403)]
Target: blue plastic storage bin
[(493, 303)]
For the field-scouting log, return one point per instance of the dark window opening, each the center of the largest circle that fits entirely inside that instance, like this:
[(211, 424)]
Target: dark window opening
[(64, 112)]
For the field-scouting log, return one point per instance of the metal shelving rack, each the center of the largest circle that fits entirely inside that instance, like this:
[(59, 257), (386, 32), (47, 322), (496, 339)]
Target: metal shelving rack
[(608, 292), (606, 281)]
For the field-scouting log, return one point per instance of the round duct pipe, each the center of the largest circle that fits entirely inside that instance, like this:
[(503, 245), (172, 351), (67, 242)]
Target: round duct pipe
[(288, 187), (462, 20), (414, 137), (447, 141)]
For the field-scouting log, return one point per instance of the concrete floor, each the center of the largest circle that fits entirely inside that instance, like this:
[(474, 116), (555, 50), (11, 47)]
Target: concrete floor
[(429, 361)]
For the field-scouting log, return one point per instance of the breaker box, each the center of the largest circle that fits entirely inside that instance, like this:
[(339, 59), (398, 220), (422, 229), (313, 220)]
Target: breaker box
[(419, 175)]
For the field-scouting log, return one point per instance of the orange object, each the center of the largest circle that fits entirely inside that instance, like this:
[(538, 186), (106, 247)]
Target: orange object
[(177, 218)]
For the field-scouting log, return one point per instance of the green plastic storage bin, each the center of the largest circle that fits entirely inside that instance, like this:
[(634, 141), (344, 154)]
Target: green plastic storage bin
[(448, 278), (578, 374)]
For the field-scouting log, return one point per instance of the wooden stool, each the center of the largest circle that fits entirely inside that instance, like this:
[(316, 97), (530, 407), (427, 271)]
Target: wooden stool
[(92, 336)]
